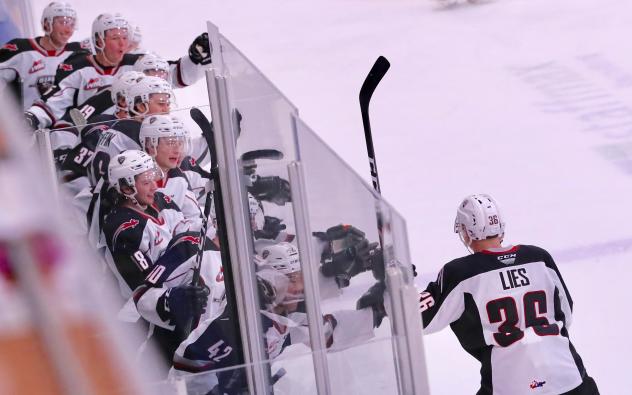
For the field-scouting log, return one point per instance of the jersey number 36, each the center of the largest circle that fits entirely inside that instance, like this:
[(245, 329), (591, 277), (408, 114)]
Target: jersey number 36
[(534, 317)]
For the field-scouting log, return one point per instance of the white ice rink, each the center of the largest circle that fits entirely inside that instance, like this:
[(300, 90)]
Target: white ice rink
[(529, 100)]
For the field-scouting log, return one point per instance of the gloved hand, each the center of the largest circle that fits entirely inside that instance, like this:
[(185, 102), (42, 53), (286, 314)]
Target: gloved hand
[(348, 253), (374, 298), (271, 189), (32, 121), (200, 50), (186, 301), (272, 226)]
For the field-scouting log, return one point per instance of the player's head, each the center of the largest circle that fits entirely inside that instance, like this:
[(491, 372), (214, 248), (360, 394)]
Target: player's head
[(280, 265), (152, 65), (151, 95), (119, 89), (134, 37), (110, 37), (58, 22), (165, 138), (134, 174), (478, 218)]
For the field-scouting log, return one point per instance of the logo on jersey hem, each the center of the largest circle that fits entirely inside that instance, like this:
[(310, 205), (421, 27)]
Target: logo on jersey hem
[(537, 384)]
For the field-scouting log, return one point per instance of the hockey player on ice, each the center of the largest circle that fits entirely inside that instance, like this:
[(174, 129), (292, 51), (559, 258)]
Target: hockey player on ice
[(509, 308), (28, 65), (83, 76)]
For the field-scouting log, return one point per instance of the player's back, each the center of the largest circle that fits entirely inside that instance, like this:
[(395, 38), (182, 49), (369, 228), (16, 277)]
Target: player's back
[(510, 309)]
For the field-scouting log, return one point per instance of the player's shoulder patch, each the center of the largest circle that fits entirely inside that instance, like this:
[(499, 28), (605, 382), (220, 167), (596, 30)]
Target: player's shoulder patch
[(124, 223), (165, 202), (14, 47)]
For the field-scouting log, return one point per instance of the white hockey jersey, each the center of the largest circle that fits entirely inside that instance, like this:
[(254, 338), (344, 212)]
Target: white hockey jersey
[(82, 77), (30, 68), (510, 309)]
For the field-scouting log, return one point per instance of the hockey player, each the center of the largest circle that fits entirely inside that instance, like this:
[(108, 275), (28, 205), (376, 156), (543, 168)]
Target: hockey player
[(165, 139), (82, 77), (74, 161), (149, 96), (509, 308), (149, 242), (28, 65)]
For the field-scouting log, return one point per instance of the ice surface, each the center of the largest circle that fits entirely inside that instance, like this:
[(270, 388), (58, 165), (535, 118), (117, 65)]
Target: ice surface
[(528, 100)]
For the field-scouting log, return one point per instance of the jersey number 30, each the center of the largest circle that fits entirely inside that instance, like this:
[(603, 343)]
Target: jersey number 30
[(534, 317)]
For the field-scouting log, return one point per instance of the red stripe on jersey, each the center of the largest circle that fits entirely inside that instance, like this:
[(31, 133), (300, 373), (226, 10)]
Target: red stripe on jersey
[(503, 251)]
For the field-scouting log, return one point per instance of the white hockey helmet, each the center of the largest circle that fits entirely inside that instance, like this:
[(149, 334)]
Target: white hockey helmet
[(121, 84), (282, 257), (124, 168), (142, 91), (257, 219), (478, 217), (155, 127), (152, 65), (55, 9), (105, 22), (135, 35)]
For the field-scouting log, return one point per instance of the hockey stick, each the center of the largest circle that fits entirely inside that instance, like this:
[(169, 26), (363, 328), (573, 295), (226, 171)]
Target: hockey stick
[(208, 133), (371, 82)]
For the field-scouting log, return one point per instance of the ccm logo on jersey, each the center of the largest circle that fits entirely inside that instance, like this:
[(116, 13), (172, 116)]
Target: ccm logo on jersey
[(93, 83), (10, 47), (507, 259), (37, 66)]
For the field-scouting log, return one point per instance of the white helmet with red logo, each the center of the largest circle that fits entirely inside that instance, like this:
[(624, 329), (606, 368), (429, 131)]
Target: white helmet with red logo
[(55, 9)]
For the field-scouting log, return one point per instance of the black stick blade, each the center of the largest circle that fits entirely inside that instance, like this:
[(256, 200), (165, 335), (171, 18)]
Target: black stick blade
[(379, 69)]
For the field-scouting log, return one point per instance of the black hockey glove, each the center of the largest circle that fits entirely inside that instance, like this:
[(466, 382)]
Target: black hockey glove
[(271, 189), (348, 253), (200, 50), (32, 121), (185, 301), (271, 228), (374, 298)]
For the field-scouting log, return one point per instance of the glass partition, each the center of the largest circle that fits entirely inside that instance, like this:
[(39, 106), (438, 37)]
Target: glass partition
[(310, 245)]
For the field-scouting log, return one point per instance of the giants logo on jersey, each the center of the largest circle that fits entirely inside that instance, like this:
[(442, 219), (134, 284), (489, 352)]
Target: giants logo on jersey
[(37, 66), (10, 47), (65, 67), (93, 83)]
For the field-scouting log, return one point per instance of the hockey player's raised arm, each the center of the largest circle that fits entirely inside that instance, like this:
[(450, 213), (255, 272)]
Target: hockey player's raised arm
[(441, 303)]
